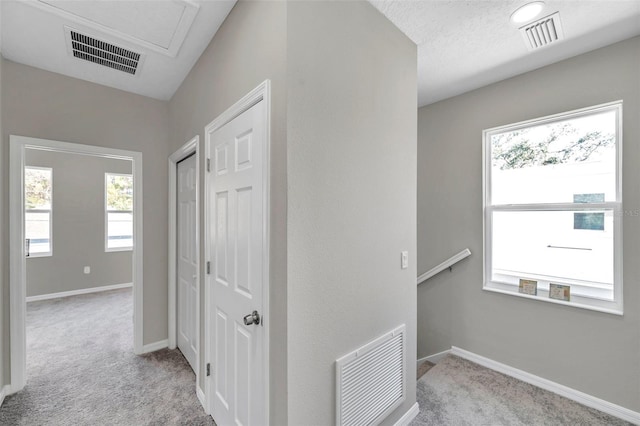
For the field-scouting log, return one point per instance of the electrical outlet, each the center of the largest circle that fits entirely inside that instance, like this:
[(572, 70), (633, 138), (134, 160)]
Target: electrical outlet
[(87, 269), (404, 260)]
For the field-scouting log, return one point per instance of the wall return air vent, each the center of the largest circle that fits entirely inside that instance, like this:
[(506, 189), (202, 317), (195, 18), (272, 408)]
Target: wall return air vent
[(102, 53), (542, 32)]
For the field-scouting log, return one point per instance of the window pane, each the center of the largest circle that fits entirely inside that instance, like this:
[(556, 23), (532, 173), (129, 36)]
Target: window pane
[(550, 163), (546, 244), (593, 221), (119, 229), (37, 230), (37, 188), (119, 192)]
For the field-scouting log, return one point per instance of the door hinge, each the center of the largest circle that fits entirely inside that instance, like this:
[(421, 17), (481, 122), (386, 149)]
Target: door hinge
[(208, 369), (208, 164), (208, 268)]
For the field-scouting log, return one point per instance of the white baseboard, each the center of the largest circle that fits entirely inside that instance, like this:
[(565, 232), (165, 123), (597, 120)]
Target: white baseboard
[(155, 346), (408, 416), (77, 292), (435, 358), (557, 388), (201, 398), (6, 390)]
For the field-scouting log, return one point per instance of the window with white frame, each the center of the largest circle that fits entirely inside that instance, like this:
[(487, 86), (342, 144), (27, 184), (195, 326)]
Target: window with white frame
[(118, 212), (553, 208), (38, 193)]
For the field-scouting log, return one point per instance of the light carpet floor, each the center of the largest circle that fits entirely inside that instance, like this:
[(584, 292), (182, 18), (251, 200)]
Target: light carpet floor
[(458, 392), (81, 369), (423, 368)]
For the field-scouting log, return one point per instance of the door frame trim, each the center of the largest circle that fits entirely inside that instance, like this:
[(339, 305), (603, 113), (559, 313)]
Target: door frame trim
[(262, 93), (17, 280), (192, 147)]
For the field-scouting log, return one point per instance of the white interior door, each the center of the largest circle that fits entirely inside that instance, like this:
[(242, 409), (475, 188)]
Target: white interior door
[(187, 267), (237, 242)]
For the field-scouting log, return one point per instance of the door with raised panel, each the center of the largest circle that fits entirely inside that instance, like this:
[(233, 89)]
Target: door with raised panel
[(236, 198), (187, 267)]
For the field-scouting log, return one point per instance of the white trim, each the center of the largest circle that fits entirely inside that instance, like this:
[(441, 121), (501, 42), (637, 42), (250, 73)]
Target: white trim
[(574, 302), (260, 93), (17, 259), (37, 255), (557, 388), (17, 269), (434, 358), (615, 306), (77, 292), (192, 147), (408, 416), (155, 346), (6, 390), (202, 398), (444, 265)]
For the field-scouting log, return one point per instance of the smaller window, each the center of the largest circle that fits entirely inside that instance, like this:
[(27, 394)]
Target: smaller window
[(118, 212), (588, 221), (38, 184)]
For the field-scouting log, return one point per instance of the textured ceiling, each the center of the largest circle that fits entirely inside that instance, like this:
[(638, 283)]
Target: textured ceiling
[(464, 45)]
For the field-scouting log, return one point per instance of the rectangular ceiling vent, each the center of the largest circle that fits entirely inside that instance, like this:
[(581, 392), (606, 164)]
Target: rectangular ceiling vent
[(542, 32), (102, 53)]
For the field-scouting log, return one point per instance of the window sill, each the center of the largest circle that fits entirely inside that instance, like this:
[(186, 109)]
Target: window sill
[(116, 249), (608, 307), (34, 255)]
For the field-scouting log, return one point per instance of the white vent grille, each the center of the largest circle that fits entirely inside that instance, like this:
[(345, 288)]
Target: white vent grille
[(102, 53), (371, 381), (542, 32)]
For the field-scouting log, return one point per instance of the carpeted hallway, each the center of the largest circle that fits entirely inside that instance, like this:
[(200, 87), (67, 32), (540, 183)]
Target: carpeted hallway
[(458, 392), (81, 369)]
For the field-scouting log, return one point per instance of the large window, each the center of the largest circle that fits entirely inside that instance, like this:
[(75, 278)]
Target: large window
[(553, 208), (38, 183), (118, 212)]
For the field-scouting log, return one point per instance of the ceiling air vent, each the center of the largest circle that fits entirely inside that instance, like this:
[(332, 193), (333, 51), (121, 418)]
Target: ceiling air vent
[(542, 32), (102, 53)]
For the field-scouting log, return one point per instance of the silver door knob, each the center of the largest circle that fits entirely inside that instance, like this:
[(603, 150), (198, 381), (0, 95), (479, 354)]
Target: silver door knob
[(253, 318)]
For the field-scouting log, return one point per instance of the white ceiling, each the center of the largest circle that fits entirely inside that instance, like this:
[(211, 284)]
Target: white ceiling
[(170, 34), (464, 45)]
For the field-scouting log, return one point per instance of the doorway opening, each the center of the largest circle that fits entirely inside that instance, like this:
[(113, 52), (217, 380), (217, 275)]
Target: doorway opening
[(114, 238)]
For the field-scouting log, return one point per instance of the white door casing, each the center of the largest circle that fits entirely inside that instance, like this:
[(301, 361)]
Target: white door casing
[(237, 243), (187, 260), (17, 312)]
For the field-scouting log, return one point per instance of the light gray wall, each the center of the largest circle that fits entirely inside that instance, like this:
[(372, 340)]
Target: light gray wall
[(78, 226), (249, 48), (45, 105), (589, 351), (351, 126)]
